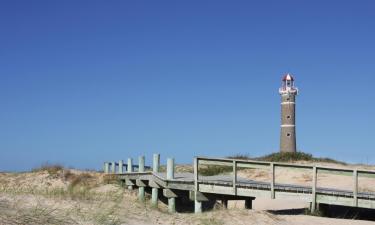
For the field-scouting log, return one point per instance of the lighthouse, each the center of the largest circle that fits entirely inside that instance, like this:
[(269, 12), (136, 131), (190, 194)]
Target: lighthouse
[(288, 94)]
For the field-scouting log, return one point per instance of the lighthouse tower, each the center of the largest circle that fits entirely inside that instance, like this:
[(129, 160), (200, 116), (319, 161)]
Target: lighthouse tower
[(288, 94)]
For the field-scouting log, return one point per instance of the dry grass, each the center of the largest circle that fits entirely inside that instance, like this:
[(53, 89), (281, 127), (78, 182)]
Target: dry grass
[(52, 169)]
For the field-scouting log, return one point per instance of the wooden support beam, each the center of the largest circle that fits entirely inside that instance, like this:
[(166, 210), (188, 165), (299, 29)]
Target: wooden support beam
[(140, 184), (171, 205), (224, 202), (153, 184), (197, 206), (249, 203), (128, 182), (199, 196), (170, 193)]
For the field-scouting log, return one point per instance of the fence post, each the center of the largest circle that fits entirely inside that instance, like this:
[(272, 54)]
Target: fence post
[(113, 167), (141, 168), (170, 176), (130, 169), (197, 204), (355, 188), (106, 167), (313, 190), (234, 177), (272, 173), (155, 169), (120, 166)]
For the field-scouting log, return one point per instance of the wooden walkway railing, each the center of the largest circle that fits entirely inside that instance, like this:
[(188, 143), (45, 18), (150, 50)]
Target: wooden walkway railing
[(231, 184), (272, 166)]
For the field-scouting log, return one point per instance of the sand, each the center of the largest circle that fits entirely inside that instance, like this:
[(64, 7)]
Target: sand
[(44, 198)]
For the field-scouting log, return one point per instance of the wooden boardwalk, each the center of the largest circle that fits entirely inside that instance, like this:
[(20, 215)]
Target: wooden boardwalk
[(230, 187)]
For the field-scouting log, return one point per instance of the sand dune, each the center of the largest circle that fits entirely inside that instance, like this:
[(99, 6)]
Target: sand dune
[(78, 197)]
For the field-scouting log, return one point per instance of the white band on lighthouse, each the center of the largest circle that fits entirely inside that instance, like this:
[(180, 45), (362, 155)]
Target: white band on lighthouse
[(287, 103), (288, 125)]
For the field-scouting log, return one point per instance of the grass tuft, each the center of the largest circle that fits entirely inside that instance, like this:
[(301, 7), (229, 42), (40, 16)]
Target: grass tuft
[(52, 169), (212, 170)]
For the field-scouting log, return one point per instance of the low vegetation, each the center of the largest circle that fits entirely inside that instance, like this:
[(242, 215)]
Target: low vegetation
[(293, 157), (52, 169), (211, 170), (288, 157)]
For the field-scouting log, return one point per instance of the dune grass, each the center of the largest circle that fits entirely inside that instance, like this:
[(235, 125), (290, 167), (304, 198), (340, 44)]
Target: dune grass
[(288, 157), (52, 169)]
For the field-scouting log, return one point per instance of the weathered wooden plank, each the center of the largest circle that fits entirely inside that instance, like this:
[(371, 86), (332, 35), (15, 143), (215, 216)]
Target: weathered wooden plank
[(216, 163), (365, 203), (366, 174), (334, 200), (292, 195), (210, 188), (252, 165), (169, 193), (301, 169), (153, 184), (253, 192), (334, 171), (129, 182), (180, 186), (140, 183), (199, 196)]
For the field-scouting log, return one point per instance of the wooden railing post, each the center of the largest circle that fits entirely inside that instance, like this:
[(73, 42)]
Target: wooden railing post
[(141, 168), (106, 167), (120, 166), (234, 177), (313, 189), (113, 167), (272, 175), (170, 176), (155, 169), (197, 204), (130, 169), (196, 176), (355, 188)]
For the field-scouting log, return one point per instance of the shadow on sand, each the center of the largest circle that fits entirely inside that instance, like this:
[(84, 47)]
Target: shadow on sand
[(331, 211)]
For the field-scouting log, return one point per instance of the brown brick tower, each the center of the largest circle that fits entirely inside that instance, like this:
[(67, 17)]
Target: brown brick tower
[(288, 94)]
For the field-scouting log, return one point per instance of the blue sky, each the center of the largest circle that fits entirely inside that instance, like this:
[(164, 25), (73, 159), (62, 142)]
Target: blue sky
[(82, 82)]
